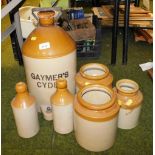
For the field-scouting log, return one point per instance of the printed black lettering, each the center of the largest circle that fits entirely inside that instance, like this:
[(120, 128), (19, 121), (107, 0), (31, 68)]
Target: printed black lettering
[(33, 75), (44, 84), (55, 77), (66, 74), (37, 77), (39, 84), (50, 85), (59, 76), (42, 77), (48, 77), (54, 84)]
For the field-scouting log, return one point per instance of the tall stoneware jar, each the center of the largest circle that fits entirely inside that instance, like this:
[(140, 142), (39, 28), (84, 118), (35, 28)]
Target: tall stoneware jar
[(130, 100), (95, 117), (25, 112), (49, 53), (93, 73)]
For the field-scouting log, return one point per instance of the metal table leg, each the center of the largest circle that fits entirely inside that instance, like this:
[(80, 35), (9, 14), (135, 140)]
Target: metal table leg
[(114, 32), (16, 37), (137, 2), (126, 29)]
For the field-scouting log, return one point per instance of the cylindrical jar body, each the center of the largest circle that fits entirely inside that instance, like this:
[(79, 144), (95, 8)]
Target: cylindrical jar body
[(129, 98), (93, 73), (95, 136), (95, 117), (26, 121), (63, 118), (128, 118)]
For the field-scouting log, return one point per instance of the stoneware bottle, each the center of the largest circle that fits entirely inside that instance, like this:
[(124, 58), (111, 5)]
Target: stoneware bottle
[(93, 73), (49, 53), (95, 117), (129, 98), (25, 112), (62, 104)]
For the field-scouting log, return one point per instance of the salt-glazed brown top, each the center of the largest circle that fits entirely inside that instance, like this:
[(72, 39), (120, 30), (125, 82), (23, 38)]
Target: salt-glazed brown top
[(62, 95), (96, 113), (57, 42), (22, 99), (83, 79), (128, 98)]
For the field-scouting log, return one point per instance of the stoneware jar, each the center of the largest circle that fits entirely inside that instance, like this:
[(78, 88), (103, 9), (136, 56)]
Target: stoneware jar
[(25, 112), (62, 103), (93, 73), (95, 117), (49, 53), (130, 99)]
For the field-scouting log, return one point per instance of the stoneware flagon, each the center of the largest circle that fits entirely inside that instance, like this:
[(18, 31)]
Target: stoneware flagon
[(130, 100), (62, 103), (49, 53), (93, 73), (95, 117), (25, 112)]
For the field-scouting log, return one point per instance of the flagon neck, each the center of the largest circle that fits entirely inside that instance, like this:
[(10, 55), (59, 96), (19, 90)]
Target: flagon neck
[(46, 18)]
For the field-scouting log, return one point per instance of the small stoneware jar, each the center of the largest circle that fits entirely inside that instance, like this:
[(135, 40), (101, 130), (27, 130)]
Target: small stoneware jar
[(93, 73), (25, 112), (62, 104), (95, 117), (129, 98)]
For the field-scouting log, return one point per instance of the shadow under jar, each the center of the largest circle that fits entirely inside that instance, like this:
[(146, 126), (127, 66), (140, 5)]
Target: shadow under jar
[(95, 117)]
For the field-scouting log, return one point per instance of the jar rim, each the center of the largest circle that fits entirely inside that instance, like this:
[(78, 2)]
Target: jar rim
[(132, 85), (98, 77), (101, 106)]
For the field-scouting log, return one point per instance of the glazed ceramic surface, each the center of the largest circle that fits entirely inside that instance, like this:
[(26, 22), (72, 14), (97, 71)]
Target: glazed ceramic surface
[(93, 73), (49, 53), (129, 98), (95, 117), (62, 103), (63, 118), (25, 112), (26, 121)]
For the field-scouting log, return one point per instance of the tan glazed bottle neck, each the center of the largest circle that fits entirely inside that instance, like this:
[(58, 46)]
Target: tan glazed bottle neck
[(22, 99)]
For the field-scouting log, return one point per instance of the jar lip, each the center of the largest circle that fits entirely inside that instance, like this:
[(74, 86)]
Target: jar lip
[(127, 83), (101, 106), (97, 65)]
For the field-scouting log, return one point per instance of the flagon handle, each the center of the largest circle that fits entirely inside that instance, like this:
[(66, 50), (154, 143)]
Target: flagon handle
[(41, 9)]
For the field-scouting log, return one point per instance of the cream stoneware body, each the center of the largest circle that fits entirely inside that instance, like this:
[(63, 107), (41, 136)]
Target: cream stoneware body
[(25, 112), (62, 103), (95, 117), (130, 100)]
